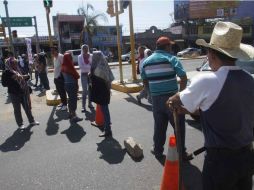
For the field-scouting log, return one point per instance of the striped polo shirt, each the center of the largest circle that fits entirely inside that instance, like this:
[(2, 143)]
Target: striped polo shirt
[(161, 69)]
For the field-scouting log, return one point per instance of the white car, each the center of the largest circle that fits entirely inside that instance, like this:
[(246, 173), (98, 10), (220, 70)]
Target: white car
[(126, 57), (74, 53), (189, 52)]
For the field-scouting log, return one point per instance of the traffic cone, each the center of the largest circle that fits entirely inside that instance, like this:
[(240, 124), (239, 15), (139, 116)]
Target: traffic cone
[(99, 118), (171, 167)]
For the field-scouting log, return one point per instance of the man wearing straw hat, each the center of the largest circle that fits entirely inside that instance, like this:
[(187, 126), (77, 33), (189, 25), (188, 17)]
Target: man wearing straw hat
[(225, 100)]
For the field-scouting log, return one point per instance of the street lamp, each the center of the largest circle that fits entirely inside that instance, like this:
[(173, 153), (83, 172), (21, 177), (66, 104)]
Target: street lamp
[(9, 26)]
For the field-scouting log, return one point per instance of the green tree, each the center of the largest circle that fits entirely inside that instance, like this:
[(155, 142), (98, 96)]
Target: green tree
[(91, 18)]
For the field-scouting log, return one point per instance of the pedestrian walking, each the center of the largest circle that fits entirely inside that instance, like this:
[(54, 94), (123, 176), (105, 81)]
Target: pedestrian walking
[(36, 72), (224, 99), (58, 77), (71, 77), (101, 78), (43, 73), (18, 90), (160, 70), (145, 91), (84, 62)]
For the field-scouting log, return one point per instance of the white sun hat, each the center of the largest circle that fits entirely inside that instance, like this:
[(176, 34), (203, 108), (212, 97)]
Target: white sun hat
[(226, 38)]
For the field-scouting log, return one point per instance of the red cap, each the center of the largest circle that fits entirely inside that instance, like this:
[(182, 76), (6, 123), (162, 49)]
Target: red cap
[(164, 41), (172, 141)]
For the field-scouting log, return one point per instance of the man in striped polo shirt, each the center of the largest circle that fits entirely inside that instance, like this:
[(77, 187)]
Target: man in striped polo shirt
[(161, 70), (225, 100)]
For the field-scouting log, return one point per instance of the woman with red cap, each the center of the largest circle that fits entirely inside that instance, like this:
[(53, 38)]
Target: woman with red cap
[(71, 77)]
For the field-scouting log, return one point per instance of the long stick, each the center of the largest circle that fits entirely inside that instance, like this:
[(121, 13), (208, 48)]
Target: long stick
[(179, 148)]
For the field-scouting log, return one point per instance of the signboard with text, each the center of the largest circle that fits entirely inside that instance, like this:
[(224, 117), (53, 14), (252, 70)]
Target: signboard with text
[(18, 21)]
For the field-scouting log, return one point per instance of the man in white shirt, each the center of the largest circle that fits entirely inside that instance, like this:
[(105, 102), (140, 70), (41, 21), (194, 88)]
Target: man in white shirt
[(84, 62), (58, 78), (224, 99)]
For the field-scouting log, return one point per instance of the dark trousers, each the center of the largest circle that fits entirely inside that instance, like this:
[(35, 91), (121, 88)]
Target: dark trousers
[(72, 91), (44, 80), (162, 115), (228, 169), (106, 114), (59, 82), (18, 100), (36, 75)]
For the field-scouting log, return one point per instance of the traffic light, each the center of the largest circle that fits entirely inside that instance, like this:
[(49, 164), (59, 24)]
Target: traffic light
[(110, 9), (48, 3)]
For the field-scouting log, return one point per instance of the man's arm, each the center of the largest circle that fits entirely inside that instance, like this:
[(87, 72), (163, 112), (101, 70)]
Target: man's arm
[(183, 82)]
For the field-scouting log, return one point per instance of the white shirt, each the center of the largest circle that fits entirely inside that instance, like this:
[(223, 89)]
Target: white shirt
[(58, 61), (205, 89), (84, 68)]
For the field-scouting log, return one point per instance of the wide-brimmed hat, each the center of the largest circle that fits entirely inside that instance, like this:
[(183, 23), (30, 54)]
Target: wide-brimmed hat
[(226, 38), (164, 41)]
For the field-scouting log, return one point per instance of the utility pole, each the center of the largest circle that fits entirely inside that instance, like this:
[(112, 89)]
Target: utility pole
[(49, 28), (11, 47), (132, 40), (36, 36), (118, 42)]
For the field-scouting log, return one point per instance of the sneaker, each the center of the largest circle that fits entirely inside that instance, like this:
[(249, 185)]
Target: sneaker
[(83, 110), (76, 119), (22, 127), (63, 108), (106, 134), (60, 105), (90, 106), (138, 99), (156, 154), (34, 123)]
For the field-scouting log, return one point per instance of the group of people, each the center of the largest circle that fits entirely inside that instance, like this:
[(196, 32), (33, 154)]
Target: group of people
[(223, 98), (96, 78)]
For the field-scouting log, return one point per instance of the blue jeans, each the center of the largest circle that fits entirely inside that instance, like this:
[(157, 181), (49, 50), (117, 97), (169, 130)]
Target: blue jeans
[(107, 120), (72, 91), (85, 82), (162, 115)]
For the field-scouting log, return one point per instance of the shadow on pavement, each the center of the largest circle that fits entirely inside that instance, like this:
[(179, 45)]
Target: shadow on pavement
[(194, 124), (132, 99), (111, 151), (192, 177), (74, 133), (52, 126), (17, 140)]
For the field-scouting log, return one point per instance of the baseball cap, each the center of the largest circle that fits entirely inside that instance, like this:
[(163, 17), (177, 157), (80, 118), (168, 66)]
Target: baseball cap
[(164, 41)]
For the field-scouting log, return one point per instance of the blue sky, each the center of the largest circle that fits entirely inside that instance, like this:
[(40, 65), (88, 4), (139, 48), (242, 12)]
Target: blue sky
[(145, 13)]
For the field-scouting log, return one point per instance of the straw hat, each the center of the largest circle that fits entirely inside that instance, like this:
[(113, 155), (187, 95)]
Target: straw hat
[(226, 38)]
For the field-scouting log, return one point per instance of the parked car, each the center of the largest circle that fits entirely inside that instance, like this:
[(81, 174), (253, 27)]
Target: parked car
[(189, 52), (245, 65), (126, 57), (74, 53)]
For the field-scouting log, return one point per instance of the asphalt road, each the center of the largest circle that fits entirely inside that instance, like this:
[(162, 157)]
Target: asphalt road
[(58, 156)]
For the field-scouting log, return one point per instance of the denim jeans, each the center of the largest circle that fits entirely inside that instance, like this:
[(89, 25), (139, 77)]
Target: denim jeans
[(85, 82), (162, 115), (44, 80), (107, 120), (72, 91)]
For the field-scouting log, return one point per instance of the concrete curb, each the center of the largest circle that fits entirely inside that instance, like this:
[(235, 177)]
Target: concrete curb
[(127, 86)]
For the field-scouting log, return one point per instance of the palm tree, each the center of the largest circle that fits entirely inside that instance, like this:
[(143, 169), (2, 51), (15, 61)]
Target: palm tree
[(91, 18)]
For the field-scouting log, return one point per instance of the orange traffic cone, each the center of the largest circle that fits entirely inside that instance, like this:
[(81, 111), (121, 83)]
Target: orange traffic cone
[(99, 118), (171, 167)]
